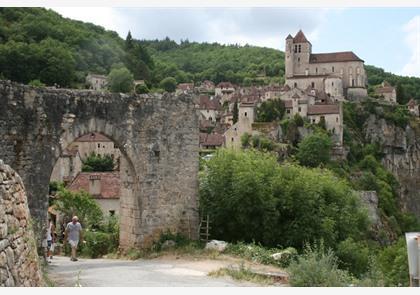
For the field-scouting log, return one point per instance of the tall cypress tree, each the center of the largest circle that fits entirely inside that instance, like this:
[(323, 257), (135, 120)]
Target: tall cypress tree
[(129, 41), (235, 112)]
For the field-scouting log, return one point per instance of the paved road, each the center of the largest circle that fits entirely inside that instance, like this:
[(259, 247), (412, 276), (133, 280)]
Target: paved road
[(137, 273)]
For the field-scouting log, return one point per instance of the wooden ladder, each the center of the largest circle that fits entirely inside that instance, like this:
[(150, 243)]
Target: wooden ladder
[(204, 229)]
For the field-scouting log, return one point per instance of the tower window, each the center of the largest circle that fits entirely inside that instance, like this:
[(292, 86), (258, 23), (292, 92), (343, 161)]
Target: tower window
[(296, 48), (245, 114), (332, 83), (295, 84), (232, 139), (99, 145), (298, 59), (333, 69), (313, 84), (300, 48), (316, 70), (300, 109)]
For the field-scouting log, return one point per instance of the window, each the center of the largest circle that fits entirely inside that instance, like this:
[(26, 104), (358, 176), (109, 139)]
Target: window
[(316, 70), (352, 82), (333, 69), (232, 139), (295, 48), (245, 114), (332, 83), (99, 145), (300, 47), (313, 84), (298, 59), (111, 212), (336, 119), (295, 84), (288, 111), (313, 120), (300, 109)]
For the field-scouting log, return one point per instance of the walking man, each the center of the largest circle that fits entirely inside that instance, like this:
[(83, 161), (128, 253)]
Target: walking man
[(73, 234)]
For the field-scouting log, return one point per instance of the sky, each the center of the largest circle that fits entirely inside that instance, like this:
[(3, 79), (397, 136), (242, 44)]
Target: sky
[(385, 37)]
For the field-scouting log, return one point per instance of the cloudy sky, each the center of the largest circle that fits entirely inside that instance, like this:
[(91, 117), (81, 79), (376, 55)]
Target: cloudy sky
[(384, 37)]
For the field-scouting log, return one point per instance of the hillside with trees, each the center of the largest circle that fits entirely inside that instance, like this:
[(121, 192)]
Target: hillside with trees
[(40, 47)]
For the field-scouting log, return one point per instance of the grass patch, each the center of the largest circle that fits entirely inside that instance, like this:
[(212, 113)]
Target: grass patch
[(242, 274)]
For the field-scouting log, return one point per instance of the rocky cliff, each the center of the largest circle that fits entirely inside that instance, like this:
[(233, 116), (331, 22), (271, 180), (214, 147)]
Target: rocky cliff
[(401, 148)]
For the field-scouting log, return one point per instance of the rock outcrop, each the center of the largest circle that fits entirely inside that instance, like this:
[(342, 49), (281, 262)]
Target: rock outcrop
[(401, 148), (19, 265)]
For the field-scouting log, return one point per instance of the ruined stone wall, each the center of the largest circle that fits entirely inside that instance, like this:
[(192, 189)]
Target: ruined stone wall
[(158, 136), (19, 264), (401, 149)]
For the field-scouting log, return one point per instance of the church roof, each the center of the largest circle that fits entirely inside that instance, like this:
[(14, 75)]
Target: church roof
[(300, 38), (289, 37), (334, 57)]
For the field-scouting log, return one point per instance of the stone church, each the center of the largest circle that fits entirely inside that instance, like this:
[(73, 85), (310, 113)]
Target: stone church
[(339, 74)]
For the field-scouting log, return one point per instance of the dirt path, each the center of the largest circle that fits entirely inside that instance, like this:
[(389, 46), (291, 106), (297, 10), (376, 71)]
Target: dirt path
[(161, 272)]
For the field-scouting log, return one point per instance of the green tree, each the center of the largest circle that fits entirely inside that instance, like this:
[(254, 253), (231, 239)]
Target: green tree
[(98, 163), (315, 150), (168, 84), (401, 98), (141, 89), (120, 80), (80, 204), (270, 111), (235, 112)]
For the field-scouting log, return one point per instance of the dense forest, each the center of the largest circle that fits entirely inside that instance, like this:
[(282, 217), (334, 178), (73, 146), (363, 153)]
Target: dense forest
[(37, 44)]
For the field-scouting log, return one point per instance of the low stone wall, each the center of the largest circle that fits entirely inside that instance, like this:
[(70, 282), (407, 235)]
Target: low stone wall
[(19, 265)]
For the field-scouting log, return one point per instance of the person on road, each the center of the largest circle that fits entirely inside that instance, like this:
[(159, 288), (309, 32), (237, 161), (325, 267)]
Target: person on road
[(73, 234), (50, 238)]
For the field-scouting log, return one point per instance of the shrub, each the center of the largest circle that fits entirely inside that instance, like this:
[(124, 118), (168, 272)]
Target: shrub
[(98, 163), (318, 268), (141, 89), (120, 79), (353, 256), (245, 139), (36, 83), (393, 262), (169, 84), (98, 244), (315, 150)]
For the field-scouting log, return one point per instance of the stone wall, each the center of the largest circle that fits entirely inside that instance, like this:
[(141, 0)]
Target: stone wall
[(157, 135), (19, 264)]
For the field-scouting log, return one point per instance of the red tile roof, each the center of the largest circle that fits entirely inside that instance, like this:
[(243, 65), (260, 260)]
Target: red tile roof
[(334, 57), (288, 104), (93, 136), (209, 104), (110, 184), (225, 85), (323, 109)]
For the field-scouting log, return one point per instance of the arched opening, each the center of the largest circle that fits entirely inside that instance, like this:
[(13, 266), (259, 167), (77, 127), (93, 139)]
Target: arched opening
[(116, 191)]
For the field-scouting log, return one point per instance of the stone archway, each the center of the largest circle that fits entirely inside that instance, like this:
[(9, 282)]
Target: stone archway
[(158, 134)]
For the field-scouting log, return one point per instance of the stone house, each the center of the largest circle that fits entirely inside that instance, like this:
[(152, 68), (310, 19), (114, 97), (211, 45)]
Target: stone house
[(104, 188), (209, 107), (387, 92), (206, 86), (332, 114), (211, 141), (246, 117), (67, 166), (225, 90), (183, 87), (413, 107), (339, 74), (96, 143), (96, 82)]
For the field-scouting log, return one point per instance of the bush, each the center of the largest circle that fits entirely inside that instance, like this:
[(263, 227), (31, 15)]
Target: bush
[(169, 84), (98, 163), (36, 83), (250, 197), (353, 256), (141, 89), (98, 244), (270, 110), (315, 150), (120, 79), (393, 262), (318, 268)]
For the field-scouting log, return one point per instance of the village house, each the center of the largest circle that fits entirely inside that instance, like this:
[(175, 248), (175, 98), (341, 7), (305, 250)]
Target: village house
[(224, 90), (413, 107), (183, 87), (209, 107), (246, 116), (339, 74), (211, 141), (387, 92), (207, 87), (332, 115), (104, 188), (96, 82)]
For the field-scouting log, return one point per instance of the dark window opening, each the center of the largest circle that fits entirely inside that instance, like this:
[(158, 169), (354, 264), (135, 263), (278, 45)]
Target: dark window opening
[(245, 114), (298, 59), (300, 109), (295, 85), (313, 84), (99, 145), (111, 212), (316, 70), (333, 69), (300, 48)]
